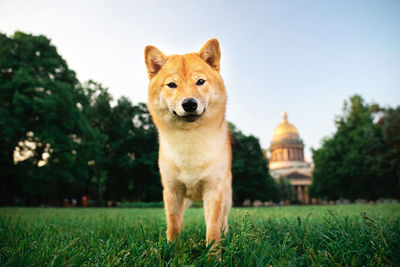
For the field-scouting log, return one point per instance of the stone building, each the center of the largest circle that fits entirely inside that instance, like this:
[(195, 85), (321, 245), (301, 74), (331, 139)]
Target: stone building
[(287, 159)]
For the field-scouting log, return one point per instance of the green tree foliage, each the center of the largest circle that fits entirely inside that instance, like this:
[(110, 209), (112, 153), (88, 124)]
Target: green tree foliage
[(129, 156), (38, 113), (147, 181), (251, 178), (287, 192), (132, 154), (68, 139), (389, 164), (354, 162)]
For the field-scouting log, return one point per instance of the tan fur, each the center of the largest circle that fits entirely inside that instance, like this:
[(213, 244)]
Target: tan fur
[(194, 157)]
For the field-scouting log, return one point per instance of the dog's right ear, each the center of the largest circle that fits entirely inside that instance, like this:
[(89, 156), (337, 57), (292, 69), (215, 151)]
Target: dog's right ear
[(154, 59)]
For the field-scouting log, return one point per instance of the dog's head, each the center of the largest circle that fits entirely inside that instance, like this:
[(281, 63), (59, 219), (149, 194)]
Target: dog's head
[(185, 90)]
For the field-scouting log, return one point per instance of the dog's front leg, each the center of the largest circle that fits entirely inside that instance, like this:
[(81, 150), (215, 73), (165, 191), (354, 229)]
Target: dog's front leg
[(213, 208), (174, 208)]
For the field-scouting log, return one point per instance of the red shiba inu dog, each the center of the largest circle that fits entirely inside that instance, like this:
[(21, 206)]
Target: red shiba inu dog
[(187, 99)]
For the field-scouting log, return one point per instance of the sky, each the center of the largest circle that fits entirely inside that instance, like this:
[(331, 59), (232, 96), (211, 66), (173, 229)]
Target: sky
[(304, 57)]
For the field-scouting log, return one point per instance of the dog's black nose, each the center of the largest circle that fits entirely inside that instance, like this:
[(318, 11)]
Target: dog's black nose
[(189, 104)]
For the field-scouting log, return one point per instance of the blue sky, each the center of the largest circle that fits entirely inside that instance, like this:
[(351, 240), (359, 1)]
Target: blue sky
[(305, 57)]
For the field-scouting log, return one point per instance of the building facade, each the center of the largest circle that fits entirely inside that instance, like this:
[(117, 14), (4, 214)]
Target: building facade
[(287, 159)]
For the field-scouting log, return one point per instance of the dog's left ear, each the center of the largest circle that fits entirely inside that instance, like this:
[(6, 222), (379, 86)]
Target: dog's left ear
[(211, 53)]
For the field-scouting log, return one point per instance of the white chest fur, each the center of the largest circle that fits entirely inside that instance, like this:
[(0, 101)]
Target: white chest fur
[(195, 155)]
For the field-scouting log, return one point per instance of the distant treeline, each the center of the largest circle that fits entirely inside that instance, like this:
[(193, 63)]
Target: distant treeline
[(63, 139)]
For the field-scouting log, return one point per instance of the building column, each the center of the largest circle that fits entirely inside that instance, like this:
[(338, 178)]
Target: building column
[(300, 193), (306, 197)]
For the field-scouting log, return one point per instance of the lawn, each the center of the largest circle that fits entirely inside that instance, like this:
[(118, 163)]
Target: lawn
[(354, 235)]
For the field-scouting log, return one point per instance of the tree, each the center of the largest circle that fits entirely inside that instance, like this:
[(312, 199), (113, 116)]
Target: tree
[(389, 160), (94, 104), (251, 178), (39, 117), (147, 181), (349, 164), (132, 154), (61, 139), (128, 167)]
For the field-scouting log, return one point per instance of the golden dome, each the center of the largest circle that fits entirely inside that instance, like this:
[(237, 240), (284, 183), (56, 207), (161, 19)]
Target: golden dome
[(285, 129)]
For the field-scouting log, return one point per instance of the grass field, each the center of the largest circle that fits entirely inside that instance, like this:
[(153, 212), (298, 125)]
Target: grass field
[(354, 235)]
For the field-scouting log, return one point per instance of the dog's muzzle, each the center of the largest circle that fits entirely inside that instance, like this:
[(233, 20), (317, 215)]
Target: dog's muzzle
[(190, 117)]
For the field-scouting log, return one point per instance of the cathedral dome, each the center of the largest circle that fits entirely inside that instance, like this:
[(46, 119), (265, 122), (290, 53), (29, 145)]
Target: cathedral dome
[(285, 131), (287, 149)]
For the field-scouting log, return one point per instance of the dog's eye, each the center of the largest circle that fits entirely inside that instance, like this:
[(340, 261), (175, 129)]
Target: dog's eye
[(200, 82), (172, 85)]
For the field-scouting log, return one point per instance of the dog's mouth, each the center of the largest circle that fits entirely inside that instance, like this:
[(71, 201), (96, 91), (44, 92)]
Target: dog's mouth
[(190, 117)]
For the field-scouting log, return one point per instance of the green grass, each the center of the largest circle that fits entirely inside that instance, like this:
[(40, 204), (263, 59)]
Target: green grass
[(354, 235)]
